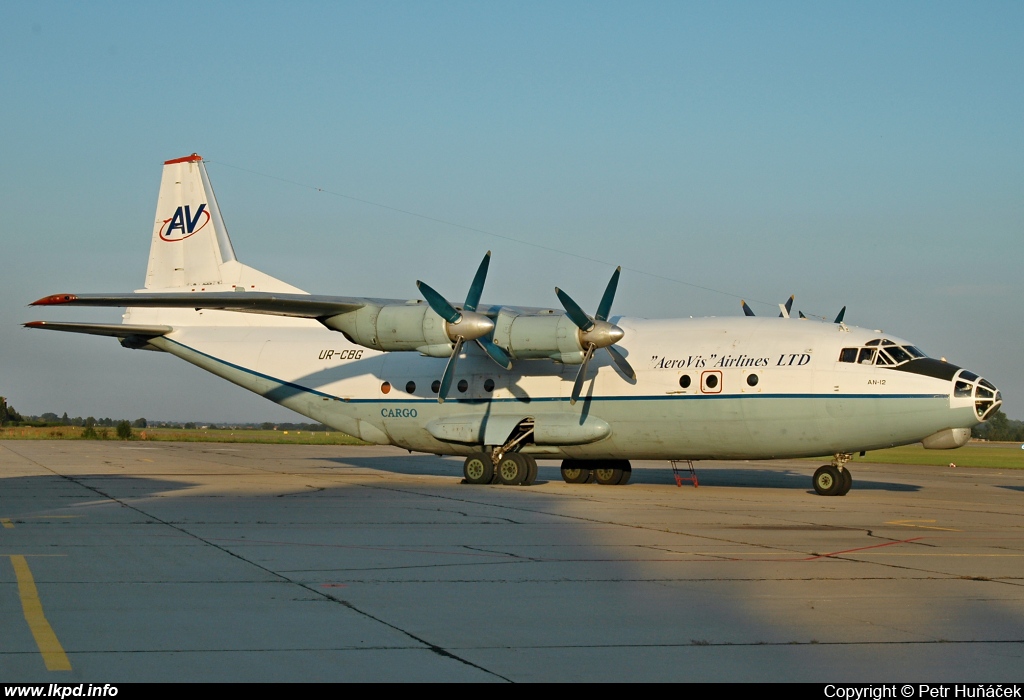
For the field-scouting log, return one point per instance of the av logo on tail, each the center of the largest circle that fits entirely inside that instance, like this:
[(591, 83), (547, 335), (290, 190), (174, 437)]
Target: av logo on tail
[(184, 223)]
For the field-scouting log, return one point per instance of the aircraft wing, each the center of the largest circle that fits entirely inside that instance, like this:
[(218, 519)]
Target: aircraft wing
[(295, 305)]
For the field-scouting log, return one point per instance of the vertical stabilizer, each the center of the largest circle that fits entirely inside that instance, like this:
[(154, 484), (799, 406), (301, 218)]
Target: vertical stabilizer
[(190, 246)]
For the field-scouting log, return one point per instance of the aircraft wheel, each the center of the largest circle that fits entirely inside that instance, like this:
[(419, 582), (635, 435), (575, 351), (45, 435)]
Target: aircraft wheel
[(609, 473), (531, 475), (827, 480), (478, 468), (513, 469), (573, 472), (847, 482), (627, 472)]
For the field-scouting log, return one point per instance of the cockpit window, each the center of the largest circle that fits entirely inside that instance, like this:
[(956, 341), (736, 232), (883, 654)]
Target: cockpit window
[(848, 355), (969, 376), (987, 383), (962, 389), (888, 354), (867, 356), (899, 354)]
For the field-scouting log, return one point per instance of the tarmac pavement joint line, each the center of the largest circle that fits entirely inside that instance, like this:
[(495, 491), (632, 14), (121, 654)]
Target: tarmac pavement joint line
[(53, 644), (46, 639)]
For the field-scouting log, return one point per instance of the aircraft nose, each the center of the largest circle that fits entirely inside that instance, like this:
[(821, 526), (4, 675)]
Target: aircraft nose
[(987, 399)]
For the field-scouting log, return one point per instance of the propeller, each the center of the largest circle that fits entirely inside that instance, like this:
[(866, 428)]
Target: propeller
[(464, 325), (839, 318), (596, 332), (784, 309)]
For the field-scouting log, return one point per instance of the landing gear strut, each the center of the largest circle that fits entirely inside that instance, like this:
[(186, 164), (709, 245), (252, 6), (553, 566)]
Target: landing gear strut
[(834, 479)]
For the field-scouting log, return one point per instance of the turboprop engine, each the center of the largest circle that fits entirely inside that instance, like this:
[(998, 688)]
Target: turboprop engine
[(438, 329)]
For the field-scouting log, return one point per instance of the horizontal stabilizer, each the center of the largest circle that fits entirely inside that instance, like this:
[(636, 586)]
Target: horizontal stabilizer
[(112, 330), (295, 305)]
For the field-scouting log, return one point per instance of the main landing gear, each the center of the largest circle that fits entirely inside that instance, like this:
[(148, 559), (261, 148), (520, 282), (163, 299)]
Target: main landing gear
[(510, 469), (834, 479), (607, 472)]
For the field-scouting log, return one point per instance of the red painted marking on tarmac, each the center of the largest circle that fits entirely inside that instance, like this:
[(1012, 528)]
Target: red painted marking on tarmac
[(861, 549)]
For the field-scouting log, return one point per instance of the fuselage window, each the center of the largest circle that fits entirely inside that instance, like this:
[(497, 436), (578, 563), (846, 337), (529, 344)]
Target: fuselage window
[(488, 385), (711, 381), (410, 388), (848, 355), (752, 380), (684, 381), (867, 356), (463, 385), (385, 387), (435, 386)]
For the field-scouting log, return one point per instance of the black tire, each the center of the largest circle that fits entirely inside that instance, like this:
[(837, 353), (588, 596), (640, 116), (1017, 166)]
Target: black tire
[(512, 469), (608, 472), (531, 475), (827, 480), (478, 468), (576, 472), (847, 483), (627, 472)]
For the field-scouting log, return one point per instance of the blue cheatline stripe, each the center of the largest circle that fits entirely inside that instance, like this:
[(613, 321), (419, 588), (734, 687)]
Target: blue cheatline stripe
[(666, 397)]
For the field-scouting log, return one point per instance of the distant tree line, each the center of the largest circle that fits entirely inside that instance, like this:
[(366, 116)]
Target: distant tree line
[(999, 428), (8, 416)]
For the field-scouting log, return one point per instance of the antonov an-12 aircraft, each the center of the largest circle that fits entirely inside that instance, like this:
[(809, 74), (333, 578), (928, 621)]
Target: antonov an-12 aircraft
[(506, 385)]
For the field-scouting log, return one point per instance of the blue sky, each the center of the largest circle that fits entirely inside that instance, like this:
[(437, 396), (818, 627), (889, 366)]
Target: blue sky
[(860, 154)]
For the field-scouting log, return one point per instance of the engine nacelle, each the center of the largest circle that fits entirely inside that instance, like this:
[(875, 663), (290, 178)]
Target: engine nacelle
[(546, 334), (413, 326)]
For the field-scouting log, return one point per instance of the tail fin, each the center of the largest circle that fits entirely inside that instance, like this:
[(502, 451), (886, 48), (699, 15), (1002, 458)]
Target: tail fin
[(190, 246)]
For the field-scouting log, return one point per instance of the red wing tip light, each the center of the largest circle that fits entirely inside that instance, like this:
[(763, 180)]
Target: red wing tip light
[(54, 299), (187, 159), (35, 324)]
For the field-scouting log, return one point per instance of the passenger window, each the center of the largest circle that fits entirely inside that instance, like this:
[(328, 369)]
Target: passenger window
[(848, 355), (867, 356)]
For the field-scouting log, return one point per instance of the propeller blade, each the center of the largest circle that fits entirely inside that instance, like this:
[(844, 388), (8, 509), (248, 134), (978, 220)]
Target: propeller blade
[(495, 353), (573, 310), (577, 386), (438, 303), (784, 309), (747, 311), (839, 318), (621, 362), (605, 307), (449, 372), (477, 288)]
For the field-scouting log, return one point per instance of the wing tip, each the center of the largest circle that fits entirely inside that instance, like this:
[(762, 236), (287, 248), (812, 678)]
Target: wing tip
[(54, 299)]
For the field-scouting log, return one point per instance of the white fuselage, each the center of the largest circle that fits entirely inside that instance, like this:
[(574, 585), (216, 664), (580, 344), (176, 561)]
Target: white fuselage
[(758, 388)]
